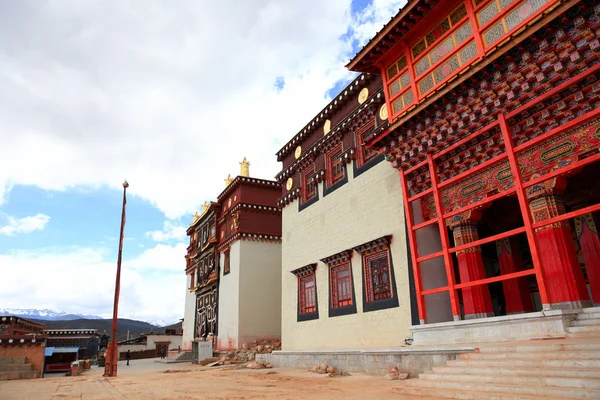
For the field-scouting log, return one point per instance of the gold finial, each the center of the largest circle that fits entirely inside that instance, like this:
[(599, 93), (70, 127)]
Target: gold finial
[(205, 207), (228, 180), (245, 168), (196, 218)]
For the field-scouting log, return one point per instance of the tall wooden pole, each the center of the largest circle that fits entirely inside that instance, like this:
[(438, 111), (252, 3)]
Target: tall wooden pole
[(112, 351)]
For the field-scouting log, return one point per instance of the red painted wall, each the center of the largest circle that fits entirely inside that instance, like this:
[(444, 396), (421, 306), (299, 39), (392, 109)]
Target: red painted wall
[(260, 222)]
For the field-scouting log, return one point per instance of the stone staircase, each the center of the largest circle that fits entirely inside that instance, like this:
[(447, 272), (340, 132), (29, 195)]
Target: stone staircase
[(586, 324), (566, 368), (16, 368)]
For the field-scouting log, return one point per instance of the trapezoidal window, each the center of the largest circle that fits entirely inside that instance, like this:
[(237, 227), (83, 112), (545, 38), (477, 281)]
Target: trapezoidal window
[(307, 293), (309, 184), (340, 280), (226, 262), (334, 165), (364, 155), (379, 291), (341, 285)]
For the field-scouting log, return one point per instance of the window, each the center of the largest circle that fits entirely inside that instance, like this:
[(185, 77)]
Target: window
[(226, 263), (341, 286), (307, 293), (378, 282), (379, 291), (364, 155), (335, 165), (309, 184), (192, 280)]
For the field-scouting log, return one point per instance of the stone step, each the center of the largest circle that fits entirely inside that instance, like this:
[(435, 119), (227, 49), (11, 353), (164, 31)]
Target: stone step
[(538, 355), (508, 371), (586, 321), (426, 393), (584, 329), (591, 315), (13, 360), (15, 367), (590, 310), (14, 375), (534, 348), (546, 391), (531, 379), (534, 363)]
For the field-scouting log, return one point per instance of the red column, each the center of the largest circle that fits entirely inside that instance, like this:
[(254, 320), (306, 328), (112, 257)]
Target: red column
[(590, 247), (516, 291), (560, 267), (476, 299)]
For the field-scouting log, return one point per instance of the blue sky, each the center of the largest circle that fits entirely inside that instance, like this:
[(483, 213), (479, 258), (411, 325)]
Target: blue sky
[(128, 94)]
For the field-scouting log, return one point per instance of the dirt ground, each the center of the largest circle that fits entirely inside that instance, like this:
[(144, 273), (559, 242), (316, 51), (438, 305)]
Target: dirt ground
[(145, 379)]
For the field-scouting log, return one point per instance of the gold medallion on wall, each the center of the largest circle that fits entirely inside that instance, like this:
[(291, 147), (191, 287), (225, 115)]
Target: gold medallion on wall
[(383, 112), (363, 95), (289, 184), (327, 127), (298, 151)]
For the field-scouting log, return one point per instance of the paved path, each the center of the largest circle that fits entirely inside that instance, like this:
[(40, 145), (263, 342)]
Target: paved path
[(145, 379)]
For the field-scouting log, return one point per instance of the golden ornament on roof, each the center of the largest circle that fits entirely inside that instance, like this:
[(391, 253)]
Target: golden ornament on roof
[(228, 180), (363, 95), (383, 112), (245, 168), (327, 127)]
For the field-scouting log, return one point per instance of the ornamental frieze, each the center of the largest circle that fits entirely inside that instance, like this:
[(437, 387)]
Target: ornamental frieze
[(555, 153)]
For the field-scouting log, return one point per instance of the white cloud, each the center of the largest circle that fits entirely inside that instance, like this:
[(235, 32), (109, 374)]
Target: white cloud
[(170, 231), (81, 280), (170, 95), (23, 225)]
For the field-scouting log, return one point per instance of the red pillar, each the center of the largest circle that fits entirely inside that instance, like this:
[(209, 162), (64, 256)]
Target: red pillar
[(590, 247), (562, 274), (476, 299), (516, 291)]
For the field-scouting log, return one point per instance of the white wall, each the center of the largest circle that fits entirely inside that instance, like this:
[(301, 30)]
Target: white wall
[(228, 298), (189, 317), (364, 209), (260, 291), (175, 340)]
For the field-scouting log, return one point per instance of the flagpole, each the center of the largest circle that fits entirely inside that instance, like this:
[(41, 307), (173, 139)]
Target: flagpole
[(112, 351)]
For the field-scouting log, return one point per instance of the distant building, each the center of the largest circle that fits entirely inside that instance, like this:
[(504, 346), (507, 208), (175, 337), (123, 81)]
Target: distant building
[(20, 337), (67, 345), (249, 246), (233, 291)]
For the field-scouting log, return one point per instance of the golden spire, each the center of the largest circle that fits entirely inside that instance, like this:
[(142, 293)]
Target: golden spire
[(245, 168), (205, 207), (196, 217), (228, 180)]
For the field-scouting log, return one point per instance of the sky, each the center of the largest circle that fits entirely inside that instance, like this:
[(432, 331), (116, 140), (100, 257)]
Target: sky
[(168, 95)]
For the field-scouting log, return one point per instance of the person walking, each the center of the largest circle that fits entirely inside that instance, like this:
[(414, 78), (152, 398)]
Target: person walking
[(128, 356), (162, 352)]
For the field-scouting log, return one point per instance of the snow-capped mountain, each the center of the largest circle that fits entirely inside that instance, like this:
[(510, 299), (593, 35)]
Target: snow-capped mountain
[(158, 322), (45, 314)]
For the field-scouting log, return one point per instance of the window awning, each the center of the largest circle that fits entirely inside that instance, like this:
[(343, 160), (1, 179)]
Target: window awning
[(51, 350)]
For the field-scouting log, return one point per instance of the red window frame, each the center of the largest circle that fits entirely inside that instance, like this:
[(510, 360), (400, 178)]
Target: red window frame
[(378, 276), (364, 155), (340, 279), (309, 184), (307, 289), (335, 165), (226, 262), (192, 283)]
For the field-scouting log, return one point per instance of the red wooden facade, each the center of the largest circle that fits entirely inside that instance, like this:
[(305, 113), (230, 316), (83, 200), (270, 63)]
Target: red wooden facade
[(249, 211), (494, 126)]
